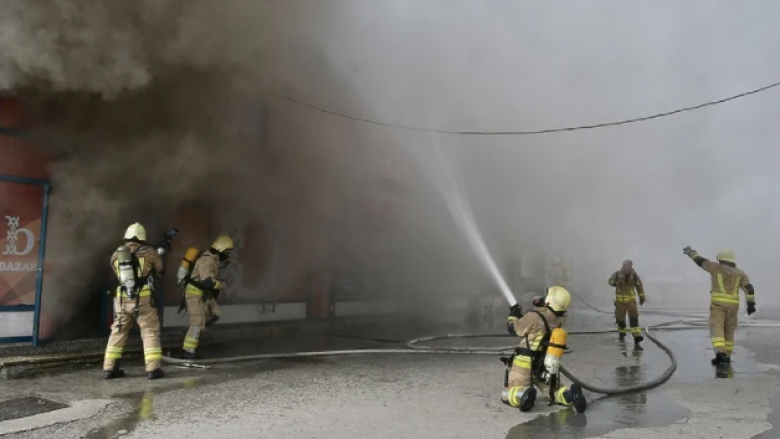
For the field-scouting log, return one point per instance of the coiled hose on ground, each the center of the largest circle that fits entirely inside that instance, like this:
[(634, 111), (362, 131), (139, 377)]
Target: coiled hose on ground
[(693, 322)]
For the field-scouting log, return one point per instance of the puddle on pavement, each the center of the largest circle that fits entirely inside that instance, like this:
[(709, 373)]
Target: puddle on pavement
[(693, 350), (774, 419), (143, 402), (28, 406), (645, 409)]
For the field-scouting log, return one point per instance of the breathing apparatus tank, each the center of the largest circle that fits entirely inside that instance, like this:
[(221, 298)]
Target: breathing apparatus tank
[(187, 264), (555, 349), (126, 272)]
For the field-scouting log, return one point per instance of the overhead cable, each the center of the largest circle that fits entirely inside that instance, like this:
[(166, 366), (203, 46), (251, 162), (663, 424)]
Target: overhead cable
[(541, 131)]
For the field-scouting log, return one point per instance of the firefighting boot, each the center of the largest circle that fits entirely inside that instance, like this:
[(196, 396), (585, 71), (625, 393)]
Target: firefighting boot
[(116, 372), (575, 397), (638, 343), (190, 356), (621, 331), (155, 374), (720, 358), (528, 399)]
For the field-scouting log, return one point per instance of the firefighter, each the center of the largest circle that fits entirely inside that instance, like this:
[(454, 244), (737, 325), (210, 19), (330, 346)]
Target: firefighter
[(135, 263), (727, 280), (628, 285), (536, 361), (560, 274), (202, 291)]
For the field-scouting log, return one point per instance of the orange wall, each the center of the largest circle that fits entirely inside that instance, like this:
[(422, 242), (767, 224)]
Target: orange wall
[(24, 204)]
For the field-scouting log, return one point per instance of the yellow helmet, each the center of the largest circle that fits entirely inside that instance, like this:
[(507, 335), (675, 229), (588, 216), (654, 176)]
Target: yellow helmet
[(222, 244), (136, 231), (726, 256), (557, 299)]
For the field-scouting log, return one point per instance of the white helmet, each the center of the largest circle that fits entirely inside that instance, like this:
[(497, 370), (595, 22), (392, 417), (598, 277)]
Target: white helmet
[(136, 231), (557, 299)]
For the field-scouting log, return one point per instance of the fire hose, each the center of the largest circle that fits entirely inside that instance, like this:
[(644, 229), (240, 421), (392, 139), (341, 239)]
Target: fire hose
[(413, 348)]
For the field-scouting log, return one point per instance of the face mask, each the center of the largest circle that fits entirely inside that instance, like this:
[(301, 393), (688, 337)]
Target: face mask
[(225, 259)]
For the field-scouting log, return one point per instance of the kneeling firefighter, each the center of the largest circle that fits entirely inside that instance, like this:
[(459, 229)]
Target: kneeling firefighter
[(135, 264), (537, 360), (203, 287)]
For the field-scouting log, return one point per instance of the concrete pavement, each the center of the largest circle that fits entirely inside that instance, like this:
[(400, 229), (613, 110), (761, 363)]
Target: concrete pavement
[(448, 396)]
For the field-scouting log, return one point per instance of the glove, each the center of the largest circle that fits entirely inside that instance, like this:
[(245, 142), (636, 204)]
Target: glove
[(751, 307), (641, 301), (687, 251), (170, 234), (516, 311)]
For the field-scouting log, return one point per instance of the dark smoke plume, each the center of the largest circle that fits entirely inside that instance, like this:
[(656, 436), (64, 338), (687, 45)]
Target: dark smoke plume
[(149, 105)]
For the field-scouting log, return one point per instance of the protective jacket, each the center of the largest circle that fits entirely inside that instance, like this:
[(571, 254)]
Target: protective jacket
[(534, 336), (627, 286), (205, 273), (726, 281)]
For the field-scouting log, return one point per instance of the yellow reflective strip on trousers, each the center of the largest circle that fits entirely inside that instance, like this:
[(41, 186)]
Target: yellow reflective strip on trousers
[(114, 353), (190, 342), (718, 342), (625, 298), (512, 398), (560, 398), (522, 362), (152, 354)]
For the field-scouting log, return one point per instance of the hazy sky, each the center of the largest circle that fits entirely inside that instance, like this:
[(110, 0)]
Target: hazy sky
[(645, 190)]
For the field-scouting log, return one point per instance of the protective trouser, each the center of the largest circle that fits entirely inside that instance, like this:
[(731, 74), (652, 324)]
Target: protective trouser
[(623, 308), (149, 322), (520, 378), (723, 325), (203, 313)]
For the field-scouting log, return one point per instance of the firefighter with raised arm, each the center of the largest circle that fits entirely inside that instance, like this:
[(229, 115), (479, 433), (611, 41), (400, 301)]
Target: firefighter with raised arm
[(628, 285), (203, 287), (135, 264), (536, 361), (727, 280)]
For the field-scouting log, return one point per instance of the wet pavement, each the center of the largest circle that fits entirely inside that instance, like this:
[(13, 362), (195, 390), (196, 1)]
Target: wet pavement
[(420, 396), (26, 406)]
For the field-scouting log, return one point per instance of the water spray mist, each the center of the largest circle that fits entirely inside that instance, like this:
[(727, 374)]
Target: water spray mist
[(447, 179)]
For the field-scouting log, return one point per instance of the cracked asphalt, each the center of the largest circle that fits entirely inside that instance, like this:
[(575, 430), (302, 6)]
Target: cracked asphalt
[(417, 396)]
